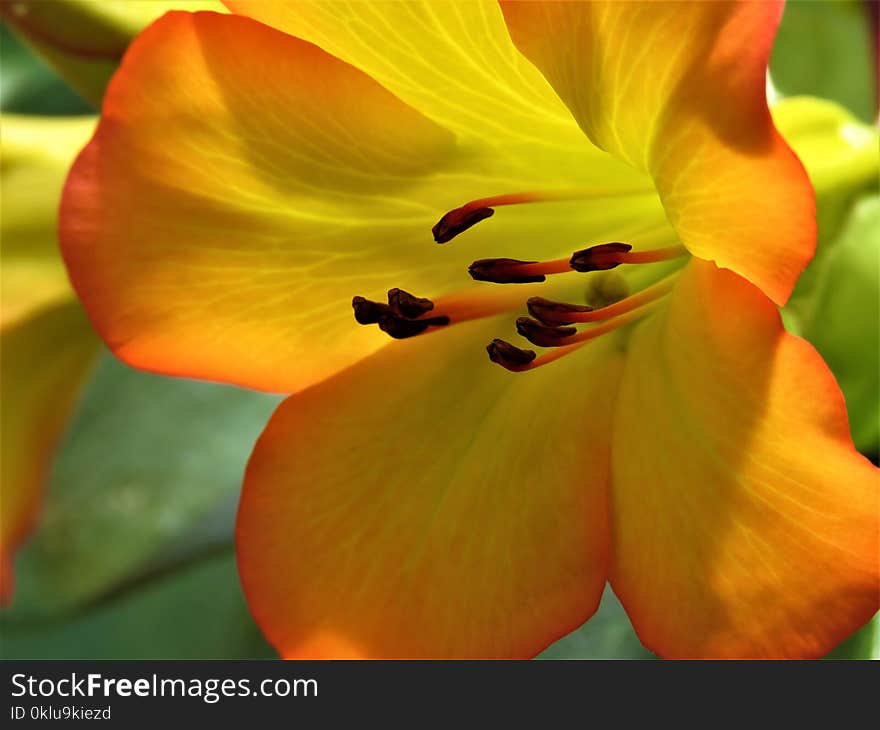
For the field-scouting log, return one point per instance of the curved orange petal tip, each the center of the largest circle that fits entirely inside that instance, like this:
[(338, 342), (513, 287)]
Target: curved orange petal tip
[(213, 225), (678, 89), (744, 522), (452, 516)]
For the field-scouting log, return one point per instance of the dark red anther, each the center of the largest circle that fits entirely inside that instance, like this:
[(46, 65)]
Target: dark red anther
[(599, 258), (457, 221), (554, 313), (401, 329), (504, 271), (369, 312), (542, 335), (509, 356), (407, 305)]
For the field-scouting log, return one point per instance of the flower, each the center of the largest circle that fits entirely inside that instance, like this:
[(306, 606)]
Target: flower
[(412, 499), (42, 321)]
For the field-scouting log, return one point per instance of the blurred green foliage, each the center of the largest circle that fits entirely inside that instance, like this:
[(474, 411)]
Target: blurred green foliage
[(836, 304), (607, 635), (197, 612), (133, 558), (148, 477), (84, 40), (824, 49), (29, 86), (144, 487), (842, 319)]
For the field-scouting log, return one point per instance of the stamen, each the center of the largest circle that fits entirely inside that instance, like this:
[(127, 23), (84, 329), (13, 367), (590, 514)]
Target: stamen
[(596, 258), (369, 312), (506, 271), (401, 329), (555, 313), (408, 305), (479, 302), (610, 325), (398, 318), (542, 335), (460, 219), (570, 343), (509, 356), (599, 258), (610, 255), (457, 221)]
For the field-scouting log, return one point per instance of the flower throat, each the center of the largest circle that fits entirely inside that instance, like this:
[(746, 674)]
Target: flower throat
[(551, 324)]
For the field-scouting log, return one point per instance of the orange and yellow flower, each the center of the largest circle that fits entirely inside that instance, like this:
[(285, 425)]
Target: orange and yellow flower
[(252, 173)]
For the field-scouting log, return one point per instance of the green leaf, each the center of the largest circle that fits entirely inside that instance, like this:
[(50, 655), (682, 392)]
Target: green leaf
[(148, 477), (84, 40), (836, 304), (824, 49), (198, 613), (864, 644), (32, 87), (841, 317)]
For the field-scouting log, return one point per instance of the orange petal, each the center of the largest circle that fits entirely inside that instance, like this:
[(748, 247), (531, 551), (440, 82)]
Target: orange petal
[(744, 522), (239, 183), (459, 513), (678, 89)]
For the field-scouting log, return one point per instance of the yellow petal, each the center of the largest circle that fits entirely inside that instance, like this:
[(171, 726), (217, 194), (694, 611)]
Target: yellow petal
[(453, 61), (36, 154), (46, 343), (678, 89), (244, 185)]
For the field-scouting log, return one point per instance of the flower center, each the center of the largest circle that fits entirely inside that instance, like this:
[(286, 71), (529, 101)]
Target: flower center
[(551, 324)]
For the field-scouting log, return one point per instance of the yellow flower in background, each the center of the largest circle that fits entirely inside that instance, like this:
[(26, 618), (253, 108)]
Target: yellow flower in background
[(46, 343)]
